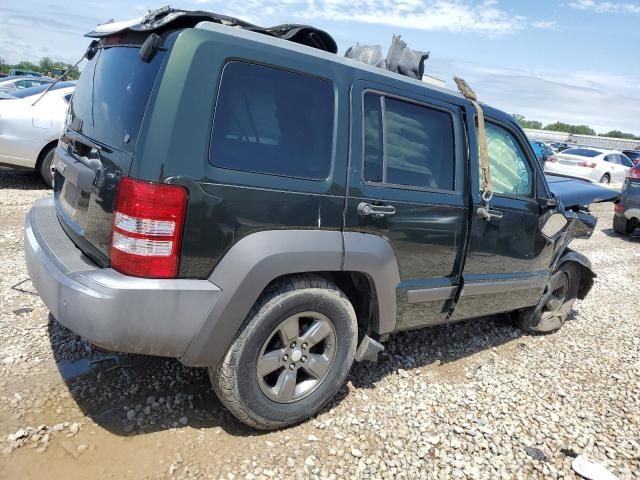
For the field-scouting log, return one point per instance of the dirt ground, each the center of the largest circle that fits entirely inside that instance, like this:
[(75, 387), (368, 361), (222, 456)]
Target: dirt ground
[(476, 399)]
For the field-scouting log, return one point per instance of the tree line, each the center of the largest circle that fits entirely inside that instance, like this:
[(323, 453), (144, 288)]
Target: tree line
[(46, 66), (575, 129)]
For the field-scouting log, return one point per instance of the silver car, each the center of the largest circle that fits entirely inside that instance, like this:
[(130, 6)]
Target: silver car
[(591, 164)]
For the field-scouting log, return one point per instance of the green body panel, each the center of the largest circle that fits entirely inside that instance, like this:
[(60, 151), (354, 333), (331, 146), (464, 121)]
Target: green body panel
[(441, 246)]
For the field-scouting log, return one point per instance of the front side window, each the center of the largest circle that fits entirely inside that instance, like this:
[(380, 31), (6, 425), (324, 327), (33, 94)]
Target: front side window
[(273, 121), (511, 173), (407, 144)]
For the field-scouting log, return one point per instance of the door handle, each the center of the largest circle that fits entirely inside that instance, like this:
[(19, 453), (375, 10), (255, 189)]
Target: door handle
[(376, 211), (489, 214)]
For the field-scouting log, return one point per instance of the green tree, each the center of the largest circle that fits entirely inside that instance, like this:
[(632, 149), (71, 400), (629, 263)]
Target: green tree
[(619, 134), (566, 127), (46, 65), (524, 123)]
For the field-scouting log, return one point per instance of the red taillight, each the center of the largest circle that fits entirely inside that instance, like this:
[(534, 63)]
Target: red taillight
[(619, 208), (552, 159), (587, 164), (147, 228), (634, 172)]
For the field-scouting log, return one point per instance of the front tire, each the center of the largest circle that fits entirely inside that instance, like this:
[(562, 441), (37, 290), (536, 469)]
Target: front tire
[(606, 179), (556, 302), (292, 355), (45, 167)]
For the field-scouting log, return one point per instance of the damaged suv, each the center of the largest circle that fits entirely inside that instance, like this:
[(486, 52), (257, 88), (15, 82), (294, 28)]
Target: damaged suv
[(244, 199)]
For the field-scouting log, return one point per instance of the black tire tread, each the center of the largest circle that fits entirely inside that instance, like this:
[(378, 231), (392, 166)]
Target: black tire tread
[(222, 376), (529, 321), (622, 225)]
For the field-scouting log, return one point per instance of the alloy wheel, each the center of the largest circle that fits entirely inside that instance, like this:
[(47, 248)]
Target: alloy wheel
[(296, 357)]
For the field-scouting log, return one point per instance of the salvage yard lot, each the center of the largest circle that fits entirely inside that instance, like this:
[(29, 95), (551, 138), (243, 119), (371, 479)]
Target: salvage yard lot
[(476, 399)]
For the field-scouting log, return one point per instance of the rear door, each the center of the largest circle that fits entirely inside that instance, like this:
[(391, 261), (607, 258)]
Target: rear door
[(406, 183), (506, 267)]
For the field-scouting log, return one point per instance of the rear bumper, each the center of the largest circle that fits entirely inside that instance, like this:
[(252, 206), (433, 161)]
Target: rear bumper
[(111, 310), (582, 173)]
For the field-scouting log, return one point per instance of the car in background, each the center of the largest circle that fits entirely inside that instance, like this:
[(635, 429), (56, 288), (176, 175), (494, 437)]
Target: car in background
[(633, 155), (591, 164), (11, 84), (18, 72), (559, 147), (627, 211), (542, 150), (30, 127)]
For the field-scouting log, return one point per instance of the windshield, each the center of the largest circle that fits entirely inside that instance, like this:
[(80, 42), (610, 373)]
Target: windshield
[(112, 95), (27, 92)]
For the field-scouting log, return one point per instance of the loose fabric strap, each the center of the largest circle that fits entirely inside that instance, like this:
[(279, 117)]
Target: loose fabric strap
[(470, 95)]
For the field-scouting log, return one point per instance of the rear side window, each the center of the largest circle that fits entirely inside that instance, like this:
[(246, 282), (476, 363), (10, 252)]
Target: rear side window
[(407, 144), (273, 121)]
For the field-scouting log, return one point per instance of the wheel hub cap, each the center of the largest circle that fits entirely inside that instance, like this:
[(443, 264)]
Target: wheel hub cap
[(296, 357)]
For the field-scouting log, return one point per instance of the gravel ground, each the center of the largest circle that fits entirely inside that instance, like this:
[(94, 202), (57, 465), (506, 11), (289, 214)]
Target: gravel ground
[(476, 399)]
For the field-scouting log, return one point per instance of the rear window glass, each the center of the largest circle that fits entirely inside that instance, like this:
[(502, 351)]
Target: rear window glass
[(415, 144), (273, 121), (112, 95), (632, 155), (582, 152)]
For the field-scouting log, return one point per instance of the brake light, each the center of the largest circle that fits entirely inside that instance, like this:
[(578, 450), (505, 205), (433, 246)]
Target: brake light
[(552, 159), (587, 164), (634, 172), (146, 233), (619, 208)]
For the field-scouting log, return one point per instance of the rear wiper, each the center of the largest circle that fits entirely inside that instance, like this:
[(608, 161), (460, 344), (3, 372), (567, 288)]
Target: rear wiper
[(88, 54)]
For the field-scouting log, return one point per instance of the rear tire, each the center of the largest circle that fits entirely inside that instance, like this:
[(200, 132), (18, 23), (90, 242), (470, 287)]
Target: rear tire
[(606, 179), (623, 225), (292, 355), (556, 302), (45, 167)]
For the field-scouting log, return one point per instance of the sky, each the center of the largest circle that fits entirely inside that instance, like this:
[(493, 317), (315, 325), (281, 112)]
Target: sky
[(576, 61)]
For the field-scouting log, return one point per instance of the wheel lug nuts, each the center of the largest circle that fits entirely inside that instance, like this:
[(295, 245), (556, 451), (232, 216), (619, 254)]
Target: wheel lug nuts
[(304, 358), (304, 345), (292, 366), (285, 358), (293, 345)]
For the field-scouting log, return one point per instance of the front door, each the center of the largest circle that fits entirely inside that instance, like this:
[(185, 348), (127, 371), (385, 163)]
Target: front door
[(508, 257), (406, 184)]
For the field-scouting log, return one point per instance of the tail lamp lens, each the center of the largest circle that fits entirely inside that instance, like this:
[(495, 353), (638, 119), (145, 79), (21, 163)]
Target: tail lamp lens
[(146, 233), (587, 164), (552, 159), (619, 208)]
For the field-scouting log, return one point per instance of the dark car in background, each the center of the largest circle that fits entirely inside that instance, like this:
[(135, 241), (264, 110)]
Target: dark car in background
[(560, 147), (633, 155), (542, 150), (627, 211)]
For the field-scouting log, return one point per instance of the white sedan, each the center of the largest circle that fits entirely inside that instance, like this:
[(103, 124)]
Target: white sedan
[(591, 164), (29, 133)]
